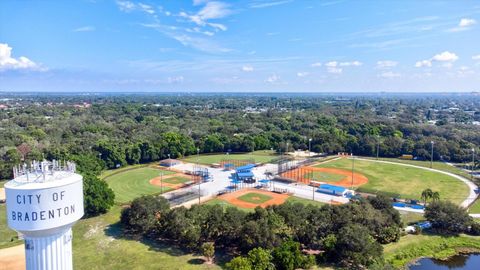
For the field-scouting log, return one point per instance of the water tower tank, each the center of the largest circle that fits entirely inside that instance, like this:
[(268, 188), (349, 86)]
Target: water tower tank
[(43, 201)]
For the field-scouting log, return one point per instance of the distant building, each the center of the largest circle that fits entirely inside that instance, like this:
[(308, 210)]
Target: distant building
[(169, 162)]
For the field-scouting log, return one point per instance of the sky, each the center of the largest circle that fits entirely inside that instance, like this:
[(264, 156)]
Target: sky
[(240, 46)]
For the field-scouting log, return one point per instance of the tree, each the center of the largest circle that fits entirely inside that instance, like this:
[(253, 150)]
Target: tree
[(435, 196), (239, 263), (208, 251), (261, 259), (144, 213), (212, 144), (24, 149), (355, 248), (426, 194), (447, 218), (289, 257), (97, 195)]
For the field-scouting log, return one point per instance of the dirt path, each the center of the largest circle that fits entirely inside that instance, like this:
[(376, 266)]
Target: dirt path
[(358, 178), (12, 258), (233, 198)]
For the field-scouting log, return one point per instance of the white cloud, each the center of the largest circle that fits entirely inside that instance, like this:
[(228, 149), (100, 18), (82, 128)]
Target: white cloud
[(476, 57), (466, 22), (247, 68), (343, 64), (212, 10), (302, 74), (128, 6), (273, 79), (269, 4), (347, 64), (423, 63), (146, 8), (317, 64), (390, 74), (334, 70), (446, 57), (331, 64), (175, 80), (7, 62), (385, 64), (84, 29)]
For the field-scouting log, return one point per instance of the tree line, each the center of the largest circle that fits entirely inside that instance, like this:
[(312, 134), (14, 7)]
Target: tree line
[(124, 129), (348, 235)]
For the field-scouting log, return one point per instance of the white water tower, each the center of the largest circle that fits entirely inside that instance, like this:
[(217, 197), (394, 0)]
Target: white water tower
[(44, 200)]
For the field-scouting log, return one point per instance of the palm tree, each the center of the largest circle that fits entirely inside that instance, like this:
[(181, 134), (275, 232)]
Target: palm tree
[(426, 194), (435, 196)]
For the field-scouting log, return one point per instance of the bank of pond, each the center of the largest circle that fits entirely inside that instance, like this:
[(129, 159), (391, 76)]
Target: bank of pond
[(461, 261)]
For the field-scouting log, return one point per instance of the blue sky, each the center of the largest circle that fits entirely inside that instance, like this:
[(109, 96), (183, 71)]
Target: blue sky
[(238, 46)]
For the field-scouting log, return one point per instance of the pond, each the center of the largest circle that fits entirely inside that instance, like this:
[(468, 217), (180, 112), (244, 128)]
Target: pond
[(464, 262)]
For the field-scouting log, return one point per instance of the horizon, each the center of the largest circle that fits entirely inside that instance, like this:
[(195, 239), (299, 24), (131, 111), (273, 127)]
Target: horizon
[(262, 46)]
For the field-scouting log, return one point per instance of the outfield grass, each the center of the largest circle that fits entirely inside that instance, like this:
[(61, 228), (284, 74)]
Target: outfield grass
[(438, 165), (412, 247), (98, 244), (176, 180), (8, 237), (324, 176), (408, 182), (259, 157), (475, 207), (254, 197), (133, 183), (293, 199)]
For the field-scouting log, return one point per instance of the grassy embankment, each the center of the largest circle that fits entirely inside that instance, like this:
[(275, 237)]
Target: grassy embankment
[(412, 247)]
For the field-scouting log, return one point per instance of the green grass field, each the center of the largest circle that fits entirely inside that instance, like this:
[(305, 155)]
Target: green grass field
[(412, 247), (405, 181), (475, 208), (98, 244), (324, 176), (130, 184), (176, 180), (8, 237), (259, 156), (253, 197), (436, 165), (293, 199)]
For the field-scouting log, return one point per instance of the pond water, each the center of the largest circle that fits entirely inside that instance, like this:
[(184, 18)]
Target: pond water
[(464, 262)]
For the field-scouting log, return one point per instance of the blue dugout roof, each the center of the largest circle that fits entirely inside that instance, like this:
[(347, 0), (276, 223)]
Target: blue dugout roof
[(246, 167), (337, 189), (244, 174)]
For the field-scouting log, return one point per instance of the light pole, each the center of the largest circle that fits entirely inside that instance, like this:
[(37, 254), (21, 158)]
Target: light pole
[(473, 162), (378, 145), (161, 182), (431, 157), (286, 152), (353, 168), (199, 176), (169, 162), (310, 147)]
